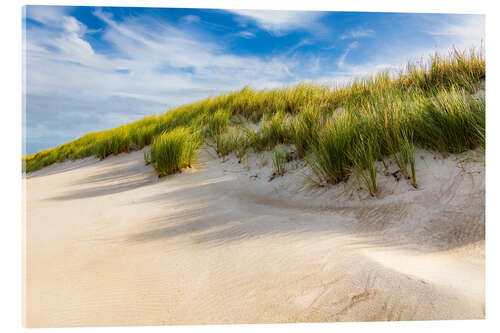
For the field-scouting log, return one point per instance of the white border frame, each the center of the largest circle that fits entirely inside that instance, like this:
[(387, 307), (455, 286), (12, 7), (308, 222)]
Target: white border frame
[(10, 284)]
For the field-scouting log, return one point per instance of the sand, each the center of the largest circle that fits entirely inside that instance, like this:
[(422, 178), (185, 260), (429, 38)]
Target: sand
[(108, 243)]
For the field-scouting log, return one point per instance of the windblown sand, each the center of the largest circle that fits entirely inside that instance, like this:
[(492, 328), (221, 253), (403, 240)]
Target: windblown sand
[(108, 243)]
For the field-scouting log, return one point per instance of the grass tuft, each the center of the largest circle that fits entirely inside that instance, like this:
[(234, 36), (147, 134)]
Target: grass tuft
[(275, 130), (173, 151), (218, 122), (225, 144), (363, 156), (279, 161), (452, 121), (305, 128), (332, 128), (405, 157), (330, 160)]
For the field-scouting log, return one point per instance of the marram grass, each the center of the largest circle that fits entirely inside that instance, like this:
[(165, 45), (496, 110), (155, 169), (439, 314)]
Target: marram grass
[(338, 130), (218, 122), (279, 161), (364, 160), (173, 150)]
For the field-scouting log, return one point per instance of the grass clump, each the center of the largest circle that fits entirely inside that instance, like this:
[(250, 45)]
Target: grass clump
[(255, 139), (142, 136), (225, 143), (405, 157), (306, 126), (279, 161), (242, 146), (234, 140), (452, 121), (218, 122), (363, 157), (462, 69), (432, 101), (275, 130), (112, 143), (330, 160), (173, 151)]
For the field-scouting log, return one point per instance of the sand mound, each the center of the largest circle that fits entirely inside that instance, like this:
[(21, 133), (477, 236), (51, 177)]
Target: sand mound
[(110, 244)]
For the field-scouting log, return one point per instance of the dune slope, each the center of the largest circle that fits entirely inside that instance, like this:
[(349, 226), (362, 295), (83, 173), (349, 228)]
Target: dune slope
[(108, 243)]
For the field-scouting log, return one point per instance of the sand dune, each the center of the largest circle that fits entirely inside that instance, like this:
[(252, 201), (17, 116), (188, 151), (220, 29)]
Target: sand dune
[(107, 243)]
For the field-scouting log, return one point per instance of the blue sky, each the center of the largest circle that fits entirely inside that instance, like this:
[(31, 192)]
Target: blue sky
[(93, 68)]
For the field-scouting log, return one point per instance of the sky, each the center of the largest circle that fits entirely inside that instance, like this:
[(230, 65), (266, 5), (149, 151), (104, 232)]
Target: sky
[(88, 69)]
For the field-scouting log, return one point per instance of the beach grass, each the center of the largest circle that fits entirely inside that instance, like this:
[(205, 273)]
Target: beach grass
[(364, 160), (173, 150), (279, 161), (218, 122), (337, 130), (225, 143), (306, 126)]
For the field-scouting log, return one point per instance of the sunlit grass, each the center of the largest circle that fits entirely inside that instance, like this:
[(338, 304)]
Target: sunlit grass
[(338, 130), (225, 143), (330, 160), (364, 160), (305, 128), (405, 158), (451, 121), (279, 161), (218, 122), (173, 151), (275, 129)]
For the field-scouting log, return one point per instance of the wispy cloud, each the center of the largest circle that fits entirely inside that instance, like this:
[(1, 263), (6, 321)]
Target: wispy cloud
[(454, 31), (349, 48), (245, 34), (188, 19), (301, 43), (465, 31), (146, 64), (357, 33), (50, 15), (91, 91), (279, 22)]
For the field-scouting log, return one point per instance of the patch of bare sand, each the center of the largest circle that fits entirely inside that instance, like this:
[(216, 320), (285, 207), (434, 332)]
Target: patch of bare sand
[(107, 243)]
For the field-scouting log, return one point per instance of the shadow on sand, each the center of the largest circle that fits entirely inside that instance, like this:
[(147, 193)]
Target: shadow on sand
[(215, 209)]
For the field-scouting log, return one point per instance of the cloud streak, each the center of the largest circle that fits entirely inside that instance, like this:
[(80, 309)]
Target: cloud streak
[(465, 31), (279, 22), (357, 33), (150, 64), (349, 48), (91, 91)]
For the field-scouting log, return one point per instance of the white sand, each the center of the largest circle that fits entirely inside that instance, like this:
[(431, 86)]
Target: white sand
[(110, 244)]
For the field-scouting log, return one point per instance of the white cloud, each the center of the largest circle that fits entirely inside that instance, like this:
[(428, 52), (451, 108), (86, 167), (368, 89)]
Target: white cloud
[(245, 34), (72, 89), (349, 48), (468, 31), (188, 19), (462, 32), (46, 14), (357, 33), (279, 22)]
